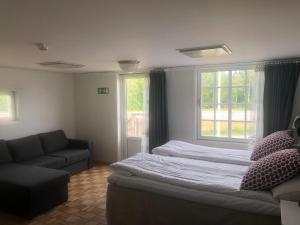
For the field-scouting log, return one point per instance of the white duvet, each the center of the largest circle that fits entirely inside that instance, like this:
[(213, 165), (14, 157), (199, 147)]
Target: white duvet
[(194, 174), (182, 149)]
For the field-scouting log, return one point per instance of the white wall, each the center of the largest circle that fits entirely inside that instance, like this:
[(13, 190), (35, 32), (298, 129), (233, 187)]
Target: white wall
[(182, 98), (46, 102), (97, 115)]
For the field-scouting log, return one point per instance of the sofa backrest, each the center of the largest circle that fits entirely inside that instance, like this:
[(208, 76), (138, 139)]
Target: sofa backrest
[(54, 141), (25, 148), (5, 156)]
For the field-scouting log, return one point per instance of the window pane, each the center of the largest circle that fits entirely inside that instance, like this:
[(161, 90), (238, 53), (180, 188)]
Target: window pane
[(207, 96), (222, 78), (7, 106), (221, 129), (249, 96), (238, 78), (238, 112), (222, 96), (251, 114), (207, 128), (221, 112), (250, 130), (251, 77), (207, 112), (238, 96), (237, 129), (135, 107), (208, 79)]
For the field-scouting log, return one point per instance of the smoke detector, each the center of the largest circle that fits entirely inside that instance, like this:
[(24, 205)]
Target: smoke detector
[(61, 65), (198, 52), (129, 66)]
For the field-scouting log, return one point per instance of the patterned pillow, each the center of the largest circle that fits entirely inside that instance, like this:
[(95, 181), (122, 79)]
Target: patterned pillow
[(272, 170), (272, 143)]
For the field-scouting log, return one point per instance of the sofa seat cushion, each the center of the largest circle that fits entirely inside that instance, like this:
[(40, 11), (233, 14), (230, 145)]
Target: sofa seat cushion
[(5, 156), (25, 148), (30, 190), (72, 155), (47, 161), (54, 141)]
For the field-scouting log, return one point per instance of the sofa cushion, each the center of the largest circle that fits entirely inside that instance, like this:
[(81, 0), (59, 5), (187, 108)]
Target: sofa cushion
[(272, 170), (5, 156), (274, 142), (25, 148), (72, 155), (31, 190), (54, 141), (47, 161)]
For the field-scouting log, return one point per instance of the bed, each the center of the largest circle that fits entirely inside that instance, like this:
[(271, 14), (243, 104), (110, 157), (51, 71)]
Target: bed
[(160, 190), (183, 149)]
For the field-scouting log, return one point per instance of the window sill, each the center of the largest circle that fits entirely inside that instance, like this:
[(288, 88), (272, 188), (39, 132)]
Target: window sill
[(220, 139), (6, 123)]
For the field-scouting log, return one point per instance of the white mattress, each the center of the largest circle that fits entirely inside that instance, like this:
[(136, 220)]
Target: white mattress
[(202, 181), (182, 149)]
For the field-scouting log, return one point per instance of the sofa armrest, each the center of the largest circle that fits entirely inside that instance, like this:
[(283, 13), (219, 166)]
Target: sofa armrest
[(289, 190), (83, 144)]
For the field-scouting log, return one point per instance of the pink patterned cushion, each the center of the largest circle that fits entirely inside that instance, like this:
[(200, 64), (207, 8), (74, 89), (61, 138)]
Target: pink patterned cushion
[(272, 143), (272, 170)]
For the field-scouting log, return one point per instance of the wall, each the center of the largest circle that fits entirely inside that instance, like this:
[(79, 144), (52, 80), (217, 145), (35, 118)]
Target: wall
[(181, 92), (45, 101), (97, 115)]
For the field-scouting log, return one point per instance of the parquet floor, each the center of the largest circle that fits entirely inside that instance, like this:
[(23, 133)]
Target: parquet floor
[(86, 204)]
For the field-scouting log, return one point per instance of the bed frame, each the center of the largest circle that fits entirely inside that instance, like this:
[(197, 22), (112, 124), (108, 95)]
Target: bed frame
[(127, 206)]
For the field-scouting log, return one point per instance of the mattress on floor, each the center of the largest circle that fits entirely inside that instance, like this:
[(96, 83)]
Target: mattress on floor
[(183, 149), (202, 181)]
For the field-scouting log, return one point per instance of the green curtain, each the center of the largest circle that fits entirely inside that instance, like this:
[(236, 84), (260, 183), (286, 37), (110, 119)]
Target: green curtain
[(279, 92), (158, 116)]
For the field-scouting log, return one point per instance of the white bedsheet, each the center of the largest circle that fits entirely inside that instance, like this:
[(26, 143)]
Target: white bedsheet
[(182, 149), (194, 180), (201, 175)]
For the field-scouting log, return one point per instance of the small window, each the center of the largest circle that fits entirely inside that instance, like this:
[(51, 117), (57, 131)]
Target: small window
[(226, 109), (8, 112)]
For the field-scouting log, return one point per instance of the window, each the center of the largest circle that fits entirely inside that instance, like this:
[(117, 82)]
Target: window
[(226, 108), (7, 106), (135, 87)]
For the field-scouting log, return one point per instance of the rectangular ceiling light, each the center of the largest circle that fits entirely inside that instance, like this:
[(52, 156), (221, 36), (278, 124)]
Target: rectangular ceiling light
[(198, 52)]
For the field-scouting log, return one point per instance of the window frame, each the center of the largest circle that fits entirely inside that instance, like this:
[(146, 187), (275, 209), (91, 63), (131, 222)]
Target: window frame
[(214, 69), (14, 107)]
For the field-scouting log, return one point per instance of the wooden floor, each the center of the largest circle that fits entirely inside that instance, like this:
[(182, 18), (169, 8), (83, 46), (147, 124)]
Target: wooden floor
[(86, 204)]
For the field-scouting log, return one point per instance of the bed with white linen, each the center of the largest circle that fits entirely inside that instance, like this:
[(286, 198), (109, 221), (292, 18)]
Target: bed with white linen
[(183, 149), (152, 189)]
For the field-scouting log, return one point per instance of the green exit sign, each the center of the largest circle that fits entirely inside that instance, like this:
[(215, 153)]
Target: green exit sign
[(103, 91)]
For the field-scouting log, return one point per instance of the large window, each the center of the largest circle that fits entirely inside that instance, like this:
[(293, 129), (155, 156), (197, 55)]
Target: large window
[(226, 104), (7, 106)]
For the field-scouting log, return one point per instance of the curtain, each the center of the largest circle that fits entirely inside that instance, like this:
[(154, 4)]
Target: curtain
[(280, 85), (145, 139), (158, 118), (258, 116)]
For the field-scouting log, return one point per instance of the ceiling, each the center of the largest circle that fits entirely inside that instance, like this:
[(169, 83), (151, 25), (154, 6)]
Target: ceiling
[(98, 33)]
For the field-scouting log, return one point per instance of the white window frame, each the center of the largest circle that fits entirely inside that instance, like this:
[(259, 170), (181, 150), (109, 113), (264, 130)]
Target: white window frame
[(14, 107), (229, 68)]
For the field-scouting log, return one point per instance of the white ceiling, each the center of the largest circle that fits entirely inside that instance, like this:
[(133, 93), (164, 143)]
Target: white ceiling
[(98, 33)]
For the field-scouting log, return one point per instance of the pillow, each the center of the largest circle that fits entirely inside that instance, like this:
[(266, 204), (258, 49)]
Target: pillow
[(272, 143), (54, 141), (25, 148), (272, 170)]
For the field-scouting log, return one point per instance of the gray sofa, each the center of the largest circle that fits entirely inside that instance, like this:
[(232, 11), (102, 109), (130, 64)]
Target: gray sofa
[(34, 171)]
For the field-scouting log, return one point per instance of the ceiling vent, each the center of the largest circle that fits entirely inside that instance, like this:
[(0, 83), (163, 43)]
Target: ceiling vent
[(61, 65), (198, 52)]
